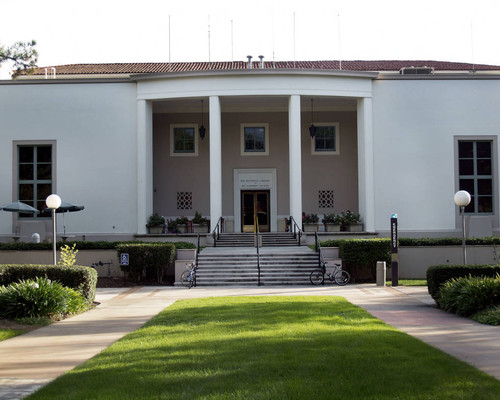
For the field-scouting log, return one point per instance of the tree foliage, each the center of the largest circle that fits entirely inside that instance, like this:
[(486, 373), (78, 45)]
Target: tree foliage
[(23, 55)]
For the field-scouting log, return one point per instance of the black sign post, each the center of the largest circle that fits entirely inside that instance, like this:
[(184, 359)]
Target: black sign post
[(394, 250)]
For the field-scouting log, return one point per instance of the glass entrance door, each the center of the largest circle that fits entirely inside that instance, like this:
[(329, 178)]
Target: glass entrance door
[(255, 206)]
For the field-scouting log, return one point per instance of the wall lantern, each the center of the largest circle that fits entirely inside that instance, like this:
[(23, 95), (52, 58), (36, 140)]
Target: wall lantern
[(202, 128), (462, 200), (53, 202), (312, 128)]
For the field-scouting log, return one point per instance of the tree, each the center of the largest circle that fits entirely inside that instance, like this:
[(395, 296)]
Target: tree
[(23, 55)]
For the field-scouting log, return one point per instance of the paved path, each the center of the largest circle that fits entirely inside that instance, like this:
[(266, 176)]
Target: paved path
[(30, 361)]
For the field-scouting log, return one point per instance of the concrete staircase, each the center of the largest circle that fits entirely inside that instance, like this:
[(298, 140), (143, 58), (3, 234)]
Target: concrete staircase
[(248, 239), (219, 266)]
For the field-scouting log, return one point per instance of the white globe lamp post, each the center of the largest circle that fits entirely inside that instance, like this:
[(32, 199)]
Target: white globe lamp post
[(462, 200), (53, 202)]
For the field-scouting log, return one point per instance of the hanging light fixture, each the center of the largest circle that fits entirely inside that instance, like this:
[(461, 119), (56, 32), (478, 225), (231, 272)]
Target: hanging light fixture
[(312, 128), (202, 128)]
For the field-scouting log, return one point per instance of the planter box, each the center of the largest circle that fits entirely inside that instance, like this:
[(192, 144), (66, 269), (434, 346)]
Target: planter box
[(200, 228), (355, 228), (186, 254), (156, 230), (330, 253), (310, 227), (181, 228), (332, 227)]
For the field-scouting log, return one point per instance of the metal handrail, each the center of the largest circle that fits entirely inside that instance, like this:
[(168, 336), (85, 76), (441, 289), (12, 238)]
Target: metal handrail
[(216, 231), (257, 244), (196, 259), (296, 228)]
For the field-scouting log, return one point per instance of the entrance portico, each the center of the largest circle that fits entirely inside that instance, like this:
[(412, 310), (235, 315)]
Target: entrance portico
[(271, 97)]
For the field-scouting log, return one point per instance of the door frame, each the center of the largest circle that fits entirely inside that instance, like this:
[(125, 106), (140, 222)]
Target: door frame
[(255, 179)]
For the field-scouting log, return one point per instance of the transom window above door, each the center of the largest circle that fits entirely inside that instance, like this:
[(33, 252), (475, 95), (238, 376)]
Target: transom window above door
[(326, 139), (254, 139), (183, 140)]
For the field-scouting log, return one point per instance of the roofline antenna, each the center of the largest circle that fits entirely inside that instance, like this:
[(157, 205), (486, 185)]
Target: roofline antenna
[(340, 48), (232, 46), (169, 37), (294, 39), (209, 59)]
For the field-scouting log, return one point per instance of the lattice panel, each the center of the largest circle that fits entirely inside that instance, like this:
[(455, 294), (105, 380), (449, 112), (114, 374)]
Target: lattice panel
[(184, 200), (325, 198)]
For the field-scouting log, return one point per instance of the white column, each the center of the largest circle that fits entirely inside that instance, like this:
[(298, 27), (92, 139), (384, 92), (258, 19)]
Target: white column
[(295, 158), (215, 136), (144, 164), (366, 180)]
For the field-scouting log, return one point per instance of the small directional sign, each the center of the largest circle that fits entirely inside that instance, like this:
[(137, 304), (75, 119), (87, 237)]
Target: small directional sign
[(124, 259)]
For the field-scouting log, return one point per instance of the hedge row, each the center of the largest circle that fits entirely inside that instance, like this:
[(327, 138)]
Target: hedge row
[(82, 279), (149, 260), (437, 275), (360, 256), (83, 245)]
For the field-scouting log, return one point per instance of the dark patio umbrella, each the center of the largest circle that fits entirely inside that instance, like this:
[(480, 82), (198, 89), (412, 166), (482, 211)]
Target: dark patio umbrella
[(17, 206), (64, 208), (20, 207)]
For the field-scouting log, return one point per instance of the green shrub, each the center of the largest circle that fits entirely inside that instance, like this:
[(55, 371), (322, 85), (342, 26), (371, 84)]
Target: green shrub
[(39, 297), (330, 243), (437, 275), (490, 316), (184, 245), (82, 279), (360, 256), (147, 259), (468, 295)]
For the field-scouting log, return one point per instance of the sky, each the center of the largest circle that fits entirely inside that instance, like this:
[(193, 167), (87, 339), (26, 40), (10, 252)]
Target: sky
[(111, 31)]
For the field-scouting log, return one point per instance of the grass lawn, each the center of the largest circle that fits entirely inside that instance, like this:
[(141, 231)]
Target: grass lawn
[(270, 348), (9, 333), (409, 282)]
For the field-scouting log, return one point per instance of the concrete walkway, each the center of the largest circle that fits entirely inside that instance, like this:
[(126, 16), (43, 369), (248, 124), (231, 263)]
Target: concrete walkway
[(30, 361)]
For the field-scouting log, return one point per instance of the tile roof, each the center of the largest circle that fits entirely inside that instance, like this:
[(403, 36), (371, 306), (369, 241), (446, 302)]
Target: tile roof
[(356, 65)]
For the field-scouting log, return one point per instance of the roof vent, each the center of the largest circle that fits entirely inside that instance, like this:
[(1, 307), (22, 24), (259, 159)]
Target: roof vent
[(261, 61), (416, 71), (249, 65)]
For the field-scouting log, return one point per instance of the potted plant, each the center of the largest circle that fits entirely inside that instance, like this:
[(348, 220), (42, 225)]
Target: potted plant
[(332, 222), (156, 224), (310, 222), (181, 224), (351, 222), (200, 224)]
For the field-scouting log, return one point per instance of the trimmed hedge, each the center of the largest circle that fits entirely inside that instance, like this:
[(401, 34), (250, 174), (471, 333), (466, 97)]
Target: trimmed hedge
[(147, 259), (361, 255), (437, 275), (82, 279), (83, 245)]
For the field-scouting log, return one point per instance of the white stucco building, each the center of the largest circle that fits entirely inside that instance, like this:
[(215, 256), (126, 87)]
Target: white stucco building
[(124, 140)]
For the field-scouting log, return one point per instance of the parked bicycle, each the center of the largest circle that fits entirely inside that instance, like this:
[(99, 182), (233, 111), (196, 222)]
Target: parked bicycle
[(188, 277), (338, 275)]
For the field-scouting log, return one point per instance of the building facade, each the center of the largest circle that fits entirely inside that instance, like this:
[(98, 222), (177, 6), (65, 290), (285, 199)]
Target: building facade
[(235, 142)]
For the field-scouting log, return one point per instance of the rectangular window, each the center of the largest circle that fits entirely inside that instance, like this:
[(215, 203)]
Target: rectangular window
[(475, 169), (326, 139), (34, 175), (255, 139), (184, 140)]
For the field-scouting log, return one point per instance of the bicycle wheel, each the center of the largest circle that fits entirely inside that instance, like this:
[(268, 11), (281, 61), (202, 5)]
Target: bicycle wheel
[(317, 277), (342, 277), (185, 279)]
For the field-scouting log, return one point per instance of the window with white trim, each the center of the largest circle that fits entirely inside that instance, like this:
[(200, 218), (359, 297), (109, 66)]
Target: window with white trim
[(326, 139), (183, 140), (254, 139), (34, 176), (475, 169)]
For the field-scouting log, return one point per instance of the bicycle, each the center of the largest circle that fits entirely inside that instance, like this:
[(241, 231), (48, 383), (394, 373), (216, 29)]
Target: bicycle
[(338, 275), (188, 277)]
